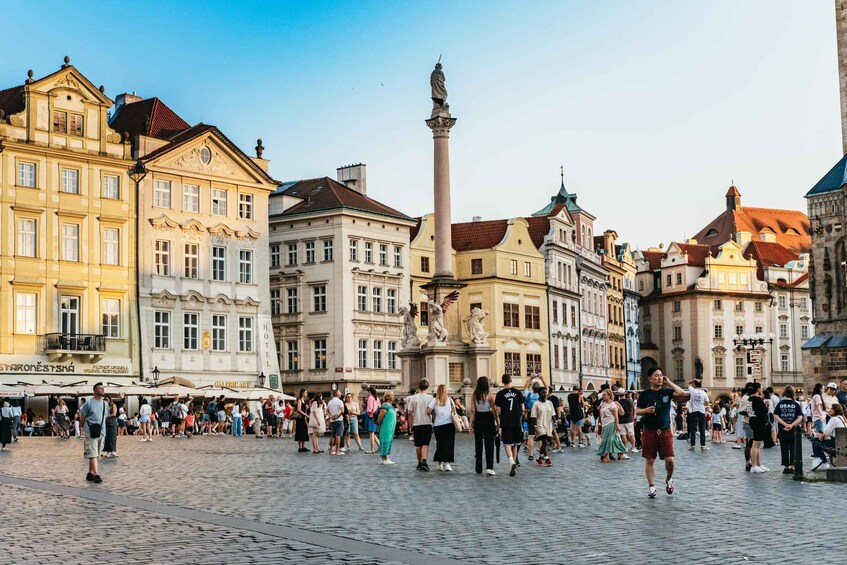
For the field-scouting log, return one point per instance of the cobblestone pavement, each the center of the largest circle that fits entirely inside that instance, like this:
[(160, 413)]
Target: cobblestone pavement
[(222, 499)]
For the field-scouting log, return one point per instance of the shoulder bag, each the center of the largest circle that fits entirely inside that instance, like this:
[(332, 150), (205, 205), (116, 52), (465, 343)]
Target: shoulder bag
[(94, 430)]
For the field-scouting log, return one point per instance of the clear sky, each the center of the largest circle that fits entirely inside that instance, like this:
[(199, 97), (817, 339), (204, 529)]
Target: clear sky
[(651, 107)]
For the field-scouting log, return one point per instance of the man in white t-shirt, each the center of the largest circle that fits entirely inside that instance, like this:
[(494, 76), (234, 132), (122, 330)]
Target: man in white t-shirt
[(421, 423), (258, 416), (335, 409), (697, 414)]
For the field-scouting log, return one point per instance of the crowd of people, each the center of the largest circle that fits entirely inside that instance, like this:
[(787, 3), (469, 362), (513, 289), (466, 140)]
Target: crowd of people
[(532, 423)]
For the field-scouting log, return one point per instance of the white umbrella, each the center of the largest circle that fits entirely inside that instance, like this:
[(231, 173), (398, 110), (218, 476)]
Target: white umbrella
[(257, 393), (13, 391), (132, 390), (214, 392), (175, 390), (47, 390)]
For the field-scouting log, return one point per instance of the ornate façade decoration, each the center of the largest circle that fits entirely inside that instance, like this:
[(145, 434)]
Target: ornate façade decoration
[(217, 165)]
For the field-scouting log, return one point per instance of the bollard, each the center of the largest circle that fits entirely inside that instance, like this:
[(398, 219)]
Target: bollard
[(798, 453)]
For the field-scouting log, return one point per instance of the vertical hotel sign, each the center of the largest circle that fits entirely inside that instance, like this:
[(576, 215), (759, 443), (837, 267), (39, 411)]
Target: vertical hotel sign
[(268, 360)]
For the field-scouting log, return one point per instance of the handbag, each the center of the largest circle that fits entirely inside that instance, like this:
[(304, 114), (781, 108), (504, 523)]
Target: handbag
[(457, 421), (94, 430)]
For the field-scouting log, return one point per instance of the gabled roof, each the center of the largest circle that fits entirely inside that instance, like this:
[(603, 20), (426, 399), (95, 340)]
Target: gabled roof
[(697, 254), (768, 254), (164, 123), (539, 227), (321, 194), (831, 181), (12, 100), (654, 259), (468, 236)]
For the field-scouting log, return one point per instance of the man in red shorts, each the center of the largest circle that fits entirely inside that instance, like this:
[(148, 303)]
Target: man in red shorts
[(654, 407)]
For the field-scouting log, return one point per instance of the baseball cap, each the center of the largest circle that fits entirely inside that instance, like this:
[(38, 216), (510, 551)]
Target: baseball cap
[(831, 385), (620, 392)]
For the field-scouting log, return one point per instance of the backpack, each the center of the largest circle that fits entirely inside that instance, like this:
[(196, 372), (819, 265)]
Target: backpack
[(175, 411)]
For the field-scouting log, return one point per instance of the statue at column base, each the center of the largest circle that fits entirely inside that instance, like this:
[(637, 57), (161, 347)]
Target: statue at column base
[(476, 330)]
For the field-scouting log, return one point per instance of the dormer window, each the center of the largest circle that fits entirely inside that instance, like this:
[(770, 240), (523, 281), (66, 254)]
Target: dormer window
[(712, 233)]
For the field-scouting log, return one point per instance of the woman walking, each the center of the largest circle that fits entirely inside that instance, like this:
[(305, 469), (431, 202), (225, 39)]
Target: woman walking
[(110, 442), (353, 411), (236, 420), (317, 421), (371, 409), (610, 440), (300, 417), (144, 424), (5, 425), (443, 408), (386, 417), (62, 421), (483, 425)]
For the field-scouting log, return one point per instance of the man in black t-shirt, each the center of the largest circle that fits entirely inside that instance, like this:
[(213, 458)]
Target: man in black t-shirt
[(557, 413), (654, 407), (576, 415), (509, 403), (624, 398)]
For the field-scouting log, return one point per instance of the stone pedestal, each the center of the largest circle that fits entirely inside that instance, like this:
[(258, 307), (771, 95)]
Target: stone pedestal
[(412, 368), (436, 359), (481, 363)]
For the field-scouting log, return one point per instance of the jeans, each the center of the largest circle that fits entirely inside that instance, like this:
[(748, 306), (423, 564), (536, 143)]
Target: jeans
[(16, 425), (236, 426), (816, 448), (697, 420), (484, 437)]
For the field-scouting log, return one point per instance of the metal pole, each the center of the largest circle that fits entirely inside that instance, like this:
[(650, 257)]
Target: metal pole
[(798, 453)]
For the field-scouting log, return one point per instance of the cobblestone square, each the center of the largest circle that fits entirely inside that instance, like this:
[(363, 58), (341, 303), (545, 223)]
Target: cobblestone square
[(221, 499)]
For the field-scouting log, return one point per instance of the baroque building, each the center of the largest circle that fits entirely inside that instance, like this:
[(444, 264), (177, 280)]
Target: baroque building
[(67, 248), (202, 249), (339, 264)]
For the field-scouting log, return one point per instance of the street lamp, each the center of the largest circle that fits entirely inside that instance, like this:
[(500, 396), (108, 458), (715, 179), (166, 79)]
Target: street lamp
[(156, 375), (262, 379), (137, 173), (752, 342)]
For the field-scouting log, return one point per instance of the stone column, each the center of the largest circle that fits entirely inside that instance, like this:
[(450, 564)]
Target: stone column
[(440, 126)]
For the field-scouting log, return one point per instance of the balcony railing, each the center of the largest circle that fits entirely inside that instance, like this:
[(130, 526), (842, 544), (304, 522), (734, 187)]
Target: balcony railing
[(72, 343)]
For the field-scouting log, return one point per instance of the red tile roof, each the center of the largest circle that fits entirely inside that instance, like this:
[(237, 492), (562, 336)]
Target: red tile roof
[(478, 235), (790, 227), (164, 123), (654, 259), (539, 227), (696, 253), (12, 100), (324, 193), (768, 254)]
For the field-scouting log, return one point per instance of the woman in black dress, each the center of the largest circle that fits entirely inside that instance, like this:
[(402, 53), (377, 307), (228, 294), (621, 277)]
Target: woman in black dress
[(110, 442), (5, 425), (759, 422), (301, 417)]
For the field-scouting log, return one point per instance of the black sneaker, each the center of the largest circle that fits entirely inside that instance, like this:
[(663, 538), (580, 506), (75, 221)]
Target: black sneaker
[(97, 479), (748, 467), (787, 471), (420, 466), (530, 457), (90, 477), (512, 470), (424, 466)]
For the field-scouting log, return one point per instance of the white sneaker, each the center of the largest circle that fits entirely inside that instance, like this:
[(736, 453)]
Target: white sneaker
[(490, 472), (447, 467), (440, 467), (581, 445), (765, 469), (824, 467), (625, 457), (758, 470), (388, 462)]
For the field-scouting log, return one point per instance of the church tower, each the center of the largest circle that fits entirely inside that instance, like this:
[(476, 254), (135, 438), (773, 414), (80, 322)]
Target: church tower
[(841, 34)]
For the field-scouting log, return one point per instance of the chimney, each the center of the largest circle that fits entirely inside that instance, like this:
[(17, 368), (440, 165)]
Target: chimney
[(742, 238), (476, 219), (354, 177), (768, 237), (124, 99), (733, 198)]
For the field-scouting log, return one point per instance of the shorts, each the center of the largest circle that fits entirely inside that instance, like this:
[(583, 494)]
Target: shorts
[(221, 416), (748, 431), (628, 429), (717, 427), (144, 419), (121, 423), (92, 447), (205, 417), (656, 442), (337, 428), (422, 435), (576, 424), (512, 435), (213, 417), (176, 423), (758, 433), (542, 437), (354, 426), (530, 423), (165, 425), (819, 426)]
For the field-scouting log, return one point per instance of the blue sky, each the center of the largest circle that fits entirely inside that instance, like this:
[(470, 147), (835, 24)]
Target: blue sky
[(652, 107)]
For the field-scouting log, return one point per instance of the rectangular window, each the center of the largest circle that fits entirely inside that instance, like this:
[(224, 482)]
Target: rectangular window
[(719, 368), (310, 252), (511, 313), (527, 269), (27, 237), (677, 306), (161, 330), (162, 257), (369, 252), (354, 250), (274, 255), (392, 355), (218, 333), (398, 259), (423, 312), (245, 206), (218, 202), (245, 334), (192, 259), (783, 362), (191, 198), (679, 278), (759, 329), (60, 122), (76, 125), (111, 317), (668, 280), (391, 301), (739, 305), (70, 181), (327, 250), (293, 356), (573, 315), (26, 175), (377, 354), (383, 254), (319, 298), (677, 332), (245, 266), (476, 266), (802, 303), (782, 301), (190, 331), (758, 307), (363, 354), (319, 347), (291, 298), (111, 187), (362, 298), (424, 264), (70, 242), (677, 369), (26, 313), (739, 330), (804, 331), (532, 315), (512, 363), (573, 359), (275, 302), (739, 367), (718, 331), (513, 264), (377, 299), (292, 254), (783, 331), (162, 194), (555, 312), (717, 305), (218, 263), (555, 356)]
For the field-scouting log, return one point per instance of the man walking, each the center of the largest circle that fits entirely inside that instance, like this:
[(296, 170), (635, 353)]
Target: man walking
[(16, 419), (175, 410), (576, 415), (654, 407), (93, 416), (421, 423), (510, 407), (625, 419), (697, 414), (542, 415), (335, 408)]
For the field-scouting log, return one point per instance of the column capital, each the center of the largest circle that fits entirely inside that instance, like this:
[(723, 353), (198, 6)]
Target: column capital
[(440, 125)]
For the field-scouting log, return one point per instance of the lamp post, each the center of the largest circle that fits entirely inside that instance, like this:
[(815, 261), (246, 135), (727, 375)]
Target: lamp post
[(156, 375), (262, 379), (136, 175), (751, 343)]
